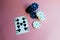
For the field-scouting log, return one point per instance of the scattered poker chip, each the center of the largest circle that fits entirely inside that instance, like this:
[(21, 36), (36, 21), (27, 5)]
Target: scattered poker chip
[(33, 15), (40, 15), (36, 24), (32, 7)]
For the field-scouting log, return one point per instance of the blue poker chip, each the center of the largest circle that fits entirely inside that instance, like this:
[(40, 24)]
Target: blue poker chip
[(32, 7), (33, 15)]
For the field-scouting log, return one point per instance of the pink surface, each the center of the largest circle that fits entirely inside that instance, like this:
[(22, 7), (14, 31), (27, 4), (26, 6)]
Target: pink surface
[(50, 29)]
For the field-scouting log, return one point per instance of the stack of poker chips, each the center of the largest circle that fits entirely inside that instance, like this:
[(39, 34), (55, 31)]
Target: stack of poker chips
[(34, 13), (31, 8)]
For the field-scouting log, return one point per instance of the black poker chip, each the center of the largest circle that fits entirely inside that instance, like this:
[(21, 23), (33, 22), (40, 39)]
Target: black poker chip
[(32, 8), (33, 15)]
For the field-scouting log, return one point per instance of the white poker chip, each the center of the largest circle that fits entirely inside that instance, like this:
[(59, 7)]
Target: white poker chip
[(40, 15), (36, 24)]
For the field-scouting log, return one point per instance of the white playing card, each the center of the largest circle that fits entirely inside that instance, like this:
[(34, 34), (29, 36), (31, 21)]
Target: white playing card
[(40, 15), (21, 25)]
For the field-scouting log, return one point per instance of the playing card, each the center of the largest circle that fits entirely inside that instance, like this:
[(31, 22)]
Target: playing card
[(21, 24)]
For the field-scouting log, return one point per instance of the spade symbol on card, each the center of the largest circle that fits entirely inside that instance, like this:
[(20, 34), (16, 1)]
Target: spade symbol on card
[(21, 25), (19, 30)]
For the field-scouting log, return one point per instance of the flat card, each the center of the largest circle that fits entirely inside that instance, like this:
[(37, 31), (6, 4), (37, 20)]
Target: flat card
[(21, 25)]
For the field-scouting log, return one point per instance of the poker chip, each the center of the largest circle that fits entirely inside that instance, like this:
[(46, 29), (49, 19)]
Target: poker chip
[(36, 24), (32, 7), (33, 15), (40, 15)]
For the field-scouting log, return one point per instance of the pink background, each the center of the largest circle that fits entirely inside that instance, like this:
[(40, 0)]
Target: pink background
[(50, 29)]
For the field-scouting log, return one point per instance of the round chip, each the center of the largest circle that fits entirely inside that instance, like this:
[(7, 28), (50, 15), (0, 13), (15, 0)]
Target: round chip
[(36, 24), (32, 7), (40, 15), (33, 15)]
